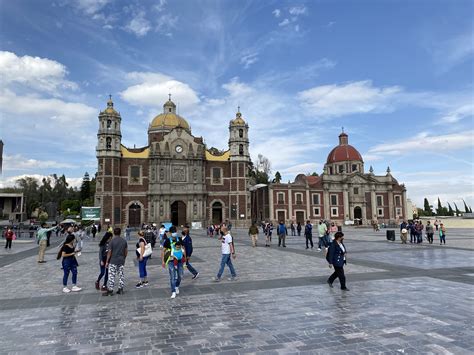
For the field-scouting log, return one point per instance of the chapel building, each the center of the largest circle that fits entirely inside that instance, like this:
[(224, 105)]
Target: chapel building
[(175, 177), (343, 192)]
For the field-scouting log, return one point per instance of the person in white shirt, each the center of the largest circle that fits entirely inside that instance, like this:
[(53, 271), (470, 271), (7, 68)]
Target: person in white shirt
[(228, 253)]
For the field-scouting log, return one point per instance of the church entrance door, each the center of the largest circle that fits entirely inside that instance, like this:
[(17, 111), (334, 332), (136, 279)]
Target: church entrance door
[(178, 213), (358, 215), (216, 213), (300, 217), (134, 215)]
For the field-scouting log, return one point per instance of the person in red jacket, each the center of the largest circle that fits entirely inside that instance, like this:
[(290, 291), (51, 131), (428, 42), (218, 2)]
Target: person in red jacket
[(9, 237)]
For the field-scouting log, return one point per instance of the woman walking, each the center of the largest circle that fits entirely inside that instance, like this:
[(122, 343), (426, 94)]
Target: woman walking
[(104, 272), (142, 260), (336, 257), (442, 234), (69, 263)]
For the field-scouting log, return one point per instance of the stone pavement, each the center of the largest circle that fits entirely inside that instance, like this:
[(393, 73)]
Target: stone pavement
[(403, 299)]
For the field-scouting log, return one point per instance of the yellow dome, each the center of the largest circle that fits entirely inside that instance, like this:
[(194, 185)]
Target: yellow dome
[(238, 120), (169, 120)]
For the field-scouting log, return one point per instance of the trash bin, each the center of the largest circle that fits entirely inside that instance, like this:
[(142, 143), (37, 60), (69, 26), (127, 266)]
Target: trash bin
[(339, 228), (391, 235)]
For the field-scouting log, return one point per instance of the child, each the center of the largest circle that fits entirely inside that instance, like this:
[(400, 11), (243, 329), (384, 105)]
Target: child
[(178, 254)]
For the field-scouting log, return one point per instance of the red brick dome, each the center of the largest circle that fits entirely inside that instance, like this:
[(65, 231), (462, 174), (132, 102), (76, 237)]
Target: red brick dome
[(344, 151)]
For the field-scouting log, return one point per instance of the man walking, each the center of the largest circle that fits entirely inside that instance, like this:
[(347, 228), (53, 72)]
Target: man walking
[(429, 232), (322, 231), (188, 248), (42, 240), (115, 262), (227, 249), (253, 233), (308, 233), (282, 233)]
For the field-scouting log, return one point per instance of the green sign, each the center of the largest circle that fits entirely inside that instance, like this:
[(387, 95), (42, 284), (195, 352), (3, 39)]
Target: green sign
[(90, 213)]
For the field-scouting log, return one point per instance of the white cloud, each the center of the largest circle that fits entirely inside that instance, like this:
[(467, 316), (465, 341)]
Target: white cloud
[(371, 157), (33, 72), (19, 162), (454, 51), (138, 25), (426, 143), (355, 97), (46, 113), (152, 90), (284, 22), (160, 6), (458, 114), (248, 59), (298, 10), (302, 168), (166, 23), (90, 7), (276, 13)]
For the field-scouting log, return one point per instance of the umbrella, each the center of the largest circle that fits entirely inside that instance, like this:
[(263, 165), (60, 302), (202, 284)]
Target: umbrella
[(69, 221)]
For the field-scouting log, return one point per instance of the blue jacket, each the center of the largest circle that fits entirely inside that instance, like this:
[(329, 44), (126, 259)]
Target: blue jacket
[(188, 245), (336, 255), (282, 229)]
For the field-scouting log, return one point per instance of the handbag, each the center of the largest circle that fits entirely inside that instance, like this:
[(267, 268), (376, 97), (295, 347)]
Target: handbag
[(148, 250)]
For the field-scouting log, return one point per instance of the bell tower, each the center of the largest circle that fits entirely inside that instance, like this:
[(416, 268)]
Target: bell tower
[(108, 152), (109, 135), (238, 139), (239, 159)]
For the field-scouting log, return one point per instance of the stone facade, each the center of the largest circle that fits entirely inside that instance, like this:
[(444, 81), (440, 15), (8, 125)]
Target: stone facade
[(343, 192), (175, 178)]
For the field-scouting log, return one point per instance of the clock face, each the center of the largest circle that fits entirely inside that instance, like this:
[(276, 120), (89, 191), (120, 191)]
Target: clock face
[(179, 149)]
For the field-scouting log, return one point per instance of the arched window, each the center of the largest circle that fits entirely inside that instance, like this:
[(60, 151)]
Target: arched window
[(241, 133), (109, 123), (241, 149), (108, 143)]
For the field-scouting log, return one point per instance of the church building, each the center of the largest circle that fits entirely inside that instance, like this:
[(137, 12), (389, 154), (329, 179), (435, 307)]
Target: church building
[(343, 192), (175, 177)]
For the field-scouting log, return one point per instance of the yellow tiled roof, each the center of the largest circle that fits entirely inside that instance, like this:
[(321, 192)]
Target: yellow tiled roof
[(223, 157), (140, 155)]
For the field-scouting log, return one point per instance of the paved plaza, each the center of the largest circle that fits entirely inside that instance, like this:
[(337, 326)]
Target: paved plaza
[(403, 299)]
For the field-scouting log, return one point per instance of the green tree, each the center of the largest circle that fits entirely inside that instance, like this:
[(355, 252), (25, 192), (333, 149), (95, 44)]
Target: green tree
[(466, 209), (261, 171), (85, 187), (30, 188), (439, 210), (458, 212), (450, 210), (314, 173), (277, 178), (427, 208)]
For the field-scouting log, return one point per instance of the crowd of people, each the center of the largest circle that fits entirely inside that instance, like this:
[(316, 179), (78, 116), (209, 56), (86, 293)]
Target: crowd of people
[(416, 228), (175, 248)]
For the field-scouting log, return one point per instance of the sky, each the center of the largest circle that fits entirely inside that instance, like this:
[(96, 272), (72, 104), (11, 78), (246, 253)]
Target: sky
[(397, 75)]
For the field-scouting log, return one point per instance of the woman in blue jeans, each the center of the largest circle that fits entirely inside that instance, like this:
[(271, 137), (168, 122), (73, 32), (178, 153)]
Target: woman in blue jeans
[(142, 260), (69, 263), (104, 272)]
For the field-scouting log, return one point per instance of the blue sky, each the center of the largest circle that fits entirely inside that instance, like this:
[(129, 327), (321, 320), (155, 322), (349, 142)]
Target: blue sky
[(397, 75)]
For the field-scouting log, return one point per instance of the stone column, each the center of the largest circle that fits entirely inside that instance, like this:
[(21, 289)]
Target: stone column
[(290, 203), (404, 205), (308, 203), (327, 215), (345, 195), (390, 205), (373, 202), (270, 203)]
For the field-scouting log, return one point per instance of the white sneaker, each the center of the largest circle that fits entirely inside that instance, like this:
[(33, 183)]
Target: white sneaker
[(66, 290), (177, 290), (75, 288), (173, 295), (319, 249)]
